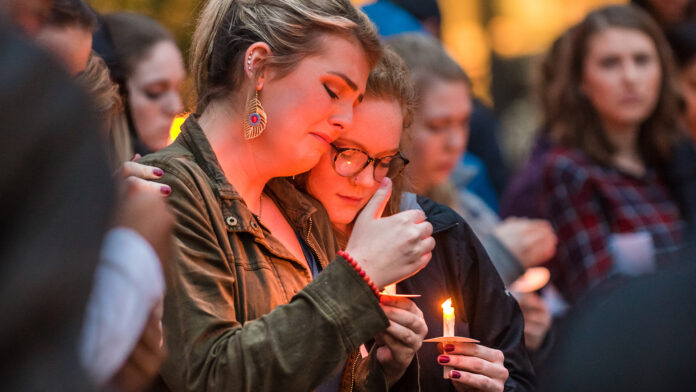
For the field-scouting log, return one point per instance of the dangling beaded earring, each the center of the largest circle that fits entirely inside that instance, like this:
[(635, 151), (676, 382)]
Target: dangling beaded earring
[(255, 123)]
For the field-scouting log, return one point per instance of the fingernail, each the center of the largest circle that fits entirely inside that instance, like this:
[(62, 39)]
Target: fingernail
[(449, 347), (158, 172), (165, 190), (455, 374), (443, 359)]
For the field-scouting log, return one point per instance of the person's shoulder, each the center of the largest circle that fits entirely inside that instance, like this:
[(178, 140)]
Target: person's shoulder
[(442, 217), (570, 165), (174, 157)]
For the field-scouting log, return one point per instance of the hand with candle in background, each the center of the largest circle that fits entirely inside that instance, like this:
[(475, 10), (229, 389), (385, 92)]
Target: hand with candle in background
[(399, 343), (474, 366)]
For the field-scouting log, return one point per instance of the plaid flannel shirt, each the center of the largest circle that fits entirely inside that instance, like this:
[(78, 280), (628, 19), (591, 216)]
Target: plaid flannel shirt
[(587, 202)]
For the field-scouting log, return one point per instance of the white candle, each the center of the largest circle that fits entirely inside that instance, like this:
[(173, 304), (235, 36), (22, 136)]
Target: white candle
[(447, 326)]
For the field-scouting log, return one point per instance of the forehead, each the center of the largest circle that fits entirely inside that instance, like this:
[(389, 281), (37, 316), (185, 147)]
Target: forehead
[(620, 40), (377, 126), (339, 54), (443, 98), (163, 61)]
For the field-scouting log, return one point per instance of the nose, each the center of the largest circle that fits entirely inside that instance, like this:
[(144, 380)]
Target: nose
[(630, 72), (173, 104), (343, 117), (457, 138), (366, 177)]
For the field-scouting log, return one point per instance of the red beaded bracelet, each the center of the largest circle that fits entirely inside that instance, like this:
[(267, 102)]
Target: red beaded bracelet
[(360, 272)]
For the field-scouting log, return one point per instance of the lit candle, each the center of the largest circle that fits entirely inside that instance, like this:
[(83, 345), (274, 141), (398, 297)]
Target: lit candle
[(447, 318), (390, 289), (447, 327)]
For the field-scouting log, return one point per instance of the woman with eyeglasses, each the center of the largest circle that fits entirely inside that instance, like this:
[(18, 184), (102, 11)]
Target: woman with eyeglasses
[(344, 180)]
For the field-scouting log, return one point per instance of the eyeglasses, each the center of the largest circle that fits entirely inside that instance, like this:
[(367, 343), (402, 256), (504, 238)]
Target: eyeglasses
[(348, 162)]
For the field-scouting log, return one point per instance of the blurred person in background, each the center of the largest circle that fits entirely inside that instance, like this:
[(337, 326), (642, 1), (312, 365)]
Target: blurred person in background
[(120, 345), (25, 16), (149, 70), (521, 197), (682, 38), (440, 134), (67, 33), (619, 187), (344, 180), (57, 199)]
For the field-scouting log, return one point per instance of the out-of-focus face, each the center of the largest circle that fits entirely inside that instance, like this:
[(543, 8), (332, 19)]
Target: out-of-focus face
[(311, 106), (440, 132), (688, 77), (71, 45), (153, 93), (376, 130), (622, 76)]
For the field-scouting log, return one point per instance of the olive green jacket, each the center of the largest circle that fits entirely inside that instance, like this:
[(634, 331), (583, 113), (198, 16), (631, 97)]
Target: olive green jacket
[(241, 313)]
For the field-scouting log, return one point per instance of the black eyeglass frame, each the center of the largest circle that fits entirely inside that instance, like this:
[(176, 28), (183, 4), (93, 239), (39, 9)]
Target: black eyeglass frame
[(370, 159)]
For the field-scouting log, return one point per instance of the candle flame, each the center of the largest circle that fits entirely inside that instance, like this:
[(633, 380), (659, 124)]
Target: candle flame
[(447, 308)]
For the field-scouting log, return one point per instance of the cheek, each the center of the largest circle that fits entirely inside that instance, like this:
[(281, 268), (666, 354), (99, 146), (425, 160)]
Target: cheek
[(143, 110)]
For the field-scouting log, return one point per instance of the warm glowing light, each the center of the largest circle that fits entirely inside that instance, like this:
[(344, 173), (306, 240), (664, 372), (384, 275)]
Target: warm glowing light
[(175, 129), (447, 308)]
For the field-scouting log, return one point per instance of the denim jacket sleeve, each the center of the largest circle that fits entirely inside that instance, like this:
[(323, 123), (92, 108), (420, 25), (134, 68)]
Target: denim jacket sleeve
[(294, 347)]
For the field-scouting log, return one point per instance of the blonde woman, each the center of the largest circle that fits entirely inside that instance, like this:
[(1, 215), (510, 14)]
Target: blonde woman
[(253, 301)]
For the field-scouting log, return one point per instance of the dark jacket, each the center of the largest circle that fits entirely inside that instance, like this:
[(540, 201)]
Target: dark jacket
[(240, 312), (484, 310), (57, 196)]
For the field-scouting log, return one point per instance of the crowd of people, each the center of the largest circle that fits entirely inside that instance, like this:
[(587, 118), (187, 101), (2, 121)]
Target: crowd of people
[(332, 152)]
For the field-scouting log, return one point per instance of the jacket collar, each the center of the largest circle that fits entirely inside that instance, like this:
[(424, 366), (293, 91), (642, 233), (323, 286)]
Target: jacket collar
[(291, 202), (441, 217)]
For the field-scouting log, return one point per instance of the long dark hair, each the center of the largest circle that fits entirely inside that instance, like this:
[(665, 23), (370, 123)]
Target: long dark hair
[(575, 121)]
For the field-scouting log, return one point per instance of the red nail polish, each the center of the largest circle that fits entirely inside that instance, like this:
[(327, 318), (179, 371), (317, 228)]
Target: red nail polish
[(449, 347), (158, 172), (443, 359), (165, 190), (455, 374)]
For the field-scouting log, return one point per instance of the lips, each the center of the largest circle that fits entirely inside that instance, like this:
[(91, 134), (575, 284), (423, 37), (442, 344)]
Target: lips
[(350, 199), (323, 137)]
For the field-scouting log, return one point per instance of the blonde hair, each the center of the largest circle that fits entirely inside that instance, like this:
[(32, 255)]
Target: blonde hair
[(291, 28), (106, 100)]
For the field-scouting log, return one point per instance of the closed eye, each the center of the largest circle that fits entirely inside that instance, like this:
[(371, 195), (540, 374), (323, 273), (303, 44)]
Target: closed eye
[(332, 94)]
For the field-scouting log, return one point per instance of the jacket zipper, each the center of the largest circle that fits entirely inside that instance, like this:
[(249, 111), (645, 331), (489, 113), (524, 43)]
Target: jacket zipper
[(352, 372), (314, 250)]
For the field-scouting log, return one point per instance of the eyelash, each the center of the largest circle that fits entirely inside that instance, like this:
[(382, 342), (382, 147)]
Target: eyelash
[(332, 94)]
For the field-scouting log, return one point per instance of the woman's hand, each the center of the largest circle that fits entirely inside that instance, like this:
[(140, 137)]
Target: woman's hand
[(537, 319), (402, 339), (531, 241), (141, 176), (475, 366), (393, 248)]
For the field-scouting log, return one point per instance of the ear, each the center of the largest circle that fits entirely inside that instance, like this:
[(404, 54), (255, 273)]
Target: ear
[(255, 63)]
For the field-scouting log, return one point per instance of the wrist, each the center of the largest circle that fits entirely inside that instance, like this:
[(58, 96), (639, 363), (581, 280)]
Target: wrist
[(363, 274)]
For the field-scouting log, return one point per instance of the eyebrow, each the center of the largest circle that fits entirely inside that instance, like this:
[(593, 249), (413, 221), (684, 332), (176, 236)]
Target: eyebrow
[(348, 81), (362, 147)]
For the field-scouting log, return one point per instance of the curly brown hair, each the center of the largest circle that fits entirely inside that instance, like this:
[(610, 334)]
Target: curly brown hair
[(575, 121)]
